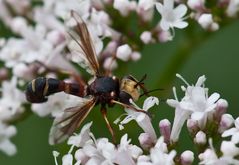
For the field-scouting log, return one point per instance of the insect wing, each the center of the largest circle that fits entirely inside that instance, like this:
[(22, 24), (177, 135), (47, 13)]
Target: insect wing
[(64, 125), (82, 45)]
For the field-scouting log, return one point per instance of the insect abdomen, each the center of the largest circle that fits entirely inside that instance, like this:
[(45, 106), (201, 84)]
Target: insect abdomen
[(38, 89)]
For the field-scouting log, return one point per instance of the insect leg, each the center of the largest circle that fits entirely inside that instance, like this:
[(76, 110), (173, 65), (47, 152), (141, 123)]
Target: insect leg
[(131, 107), (104, 112)]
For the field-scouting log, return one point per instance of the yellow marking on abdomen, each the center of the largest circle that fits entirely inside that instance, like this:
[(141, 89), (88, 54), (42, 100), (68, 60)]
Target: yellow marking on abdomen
[(34, 85), (46, 88)]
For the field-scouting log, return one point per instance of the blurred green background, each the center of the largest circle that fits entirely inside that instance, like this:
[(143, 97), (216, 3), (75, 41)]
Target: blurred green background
[(216, 56)]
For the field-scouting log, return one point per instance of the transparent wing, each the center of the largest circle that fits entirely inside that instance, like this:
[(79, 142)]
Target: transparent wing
[(82, 45), (65, 125)]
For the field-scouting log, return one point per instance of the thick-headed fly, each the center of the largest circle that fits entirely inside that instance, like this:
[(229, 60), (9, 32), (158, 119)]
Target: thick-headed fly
[(103, 90)]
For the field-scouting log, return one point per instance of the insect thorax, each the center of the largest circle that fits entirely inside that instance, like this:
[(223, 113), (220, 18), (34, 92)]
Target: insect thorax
[(104, 89)]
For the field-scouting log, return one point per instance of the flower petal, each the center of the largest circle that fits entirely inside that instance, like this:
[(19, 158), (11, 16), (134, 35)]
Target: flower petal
[(180, 11), (235, 138), (180, 24), (172, 102), (8, 147), (179, 119), (197, 115), (164, 25), (159, 7), (200, 81), (237, 123), (149, 102), (213, 98), (168, 4), (229, 132)]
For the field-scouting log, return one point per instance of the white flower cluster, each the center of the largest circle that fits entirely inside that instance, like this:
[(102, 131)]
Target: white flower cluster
[(36, 45), (202, 112), (90, 151), (206, 17)]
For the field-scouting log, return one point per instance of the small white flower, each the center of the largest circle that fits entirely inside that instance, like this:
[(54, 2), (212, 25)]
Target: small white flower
[(6, 132), (100, 152), (141, 118), (195, 103), (62, 8), (159, 154), (209, 156), (11, 100), (171, 17), (233, 132), (125, 151), (229, 149), (83, 137), (100, 21)]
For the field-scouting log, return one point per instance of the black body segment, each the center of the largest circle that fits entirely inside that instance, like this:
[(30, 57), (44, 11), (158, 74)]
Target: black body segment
[(39, 88), (104, 89), (124, 97), (103, 85), (53, 86)]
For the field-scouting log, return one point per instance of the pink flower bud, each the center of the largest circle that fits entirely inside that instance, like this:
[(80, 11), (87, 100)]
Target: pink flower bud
[(196, 4), (226, 122), (192, 126), (146, 141), (187, 157), (123, 52), (165, 129), (206, 21), (135, 56), (110, 63), (220, 109), (200, 138), (146, 37), (164, 36), (19, 24), (3, 74)]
